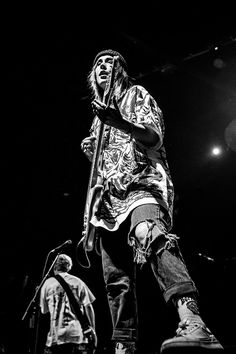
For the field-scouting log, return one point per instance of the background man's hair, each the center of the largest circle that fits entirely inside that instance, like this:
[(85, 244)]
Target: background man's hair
[(63, 263)]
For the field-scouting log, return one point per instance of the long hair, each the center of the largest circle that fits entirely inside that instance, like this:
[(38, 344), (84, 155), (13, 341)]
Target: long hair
[(122, 83)]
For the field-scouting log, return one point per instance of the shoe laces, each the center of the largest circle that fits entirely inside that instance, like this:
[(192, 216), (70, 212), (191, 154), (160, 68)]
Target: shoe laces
[(187, 326)]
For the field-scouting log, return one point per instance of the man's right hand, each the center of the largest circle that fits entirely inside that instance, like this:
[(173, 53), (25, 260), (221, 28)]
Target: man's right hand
[(92, 337), (87, 146)]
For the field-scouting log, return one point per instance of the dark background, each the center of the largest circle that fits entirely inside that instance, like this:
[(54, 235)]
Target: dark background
[(186, 57)]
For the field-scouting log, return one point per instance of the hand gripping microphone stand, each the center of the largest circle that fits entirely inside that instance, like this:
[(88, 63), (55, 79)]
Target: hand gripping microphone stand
[(34, 319)]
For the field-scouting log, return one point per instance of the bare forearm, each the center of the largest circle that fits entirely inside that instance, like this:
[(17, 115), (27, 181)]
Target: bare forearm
[(91, 315), (146, 135)]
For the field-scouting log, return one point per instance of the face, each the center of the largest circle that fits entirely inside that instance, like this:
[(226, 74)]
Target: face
[(103, 69)]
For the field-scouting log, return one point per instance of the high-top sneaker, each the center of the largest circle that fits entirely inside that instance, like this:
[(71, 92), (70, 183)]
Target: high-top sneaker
[(191, 334), (192, 331)]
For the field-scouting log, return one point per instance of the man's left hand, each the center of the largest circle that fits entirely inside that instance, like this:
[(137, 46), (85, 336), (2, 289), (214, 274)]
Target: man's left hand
[(110, 115)]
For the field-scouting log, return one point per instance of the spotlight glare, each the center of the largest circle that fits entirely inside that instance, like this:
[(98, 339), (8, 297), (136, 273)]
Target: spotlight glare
[(216, 151)]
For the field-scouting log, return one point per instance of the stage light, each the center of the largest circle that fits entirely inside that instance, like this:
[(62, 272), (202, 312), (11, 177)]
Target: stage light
[(216, 151)]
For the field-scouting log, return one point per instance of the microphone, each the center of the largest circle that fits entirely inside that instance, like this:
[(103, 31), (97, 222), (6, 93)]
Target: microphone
[(59, 248), (206, 257)]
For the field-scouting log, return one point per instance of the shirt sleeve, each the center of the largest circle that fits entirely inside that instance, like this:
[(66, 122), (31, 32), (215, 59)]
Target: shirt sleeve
[(94, 127), (86, 295), (43, 301), (148, 112)]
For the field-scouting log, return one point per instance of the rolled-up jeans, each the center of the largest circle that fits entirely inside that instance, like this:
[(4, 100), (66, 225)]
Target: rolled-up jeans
[(119, 271)]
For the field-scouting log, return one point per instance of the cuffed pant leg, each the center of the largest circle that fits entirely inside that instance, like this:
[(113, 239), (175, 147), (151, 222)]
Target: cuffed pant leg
[(119, 277), (171, 273)]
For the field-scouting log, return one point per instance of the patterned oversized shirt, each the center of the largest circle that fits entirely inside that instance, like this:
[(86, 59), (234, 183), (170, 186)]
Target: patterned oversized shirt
[(134, 174)]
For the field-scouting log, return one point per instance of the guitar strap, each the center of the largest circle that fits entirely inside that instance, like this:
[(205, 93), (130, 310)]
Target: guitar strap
[(74, 304)]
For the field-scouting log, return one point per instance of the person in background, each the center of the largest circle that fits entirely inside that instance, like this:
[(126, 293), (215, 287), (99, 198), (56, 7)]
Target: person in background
[(65, 335), (135, 214)]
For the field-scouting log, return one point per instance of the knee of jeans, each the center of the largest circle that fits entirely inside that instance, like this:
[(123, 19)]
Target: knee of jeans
[(147, 229), (141, 231)]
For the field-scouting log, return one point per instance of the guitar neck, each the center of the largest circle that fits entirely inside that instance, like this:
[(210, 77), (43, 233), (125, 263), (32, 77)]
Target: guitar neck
[(96, 183), (100, 135), (96, 155)]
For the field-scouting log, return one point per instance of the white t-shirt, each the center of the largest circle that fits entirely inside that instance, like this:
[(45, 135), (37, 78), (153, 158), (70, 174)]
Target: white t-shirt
[(64, 326)]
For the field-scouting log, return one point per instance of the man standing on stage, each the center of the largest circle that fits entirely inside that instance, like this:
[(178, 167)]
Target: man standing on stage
[(135, 214)]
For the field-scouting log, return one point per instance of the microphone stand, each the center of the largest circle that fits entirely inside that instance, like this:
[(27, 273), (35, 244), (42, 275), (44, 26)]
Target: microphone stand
[(35, 315)]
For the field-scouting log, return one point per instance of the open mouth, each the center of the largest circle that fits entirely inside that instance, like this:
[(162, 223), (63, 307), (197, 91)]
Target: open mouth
[(103, 74)]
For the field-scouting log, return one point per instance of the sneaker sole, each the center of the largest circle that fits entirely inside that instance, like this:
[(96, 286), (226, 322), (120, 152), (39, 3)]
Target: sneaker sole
[(189, 350), (193, 347)]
